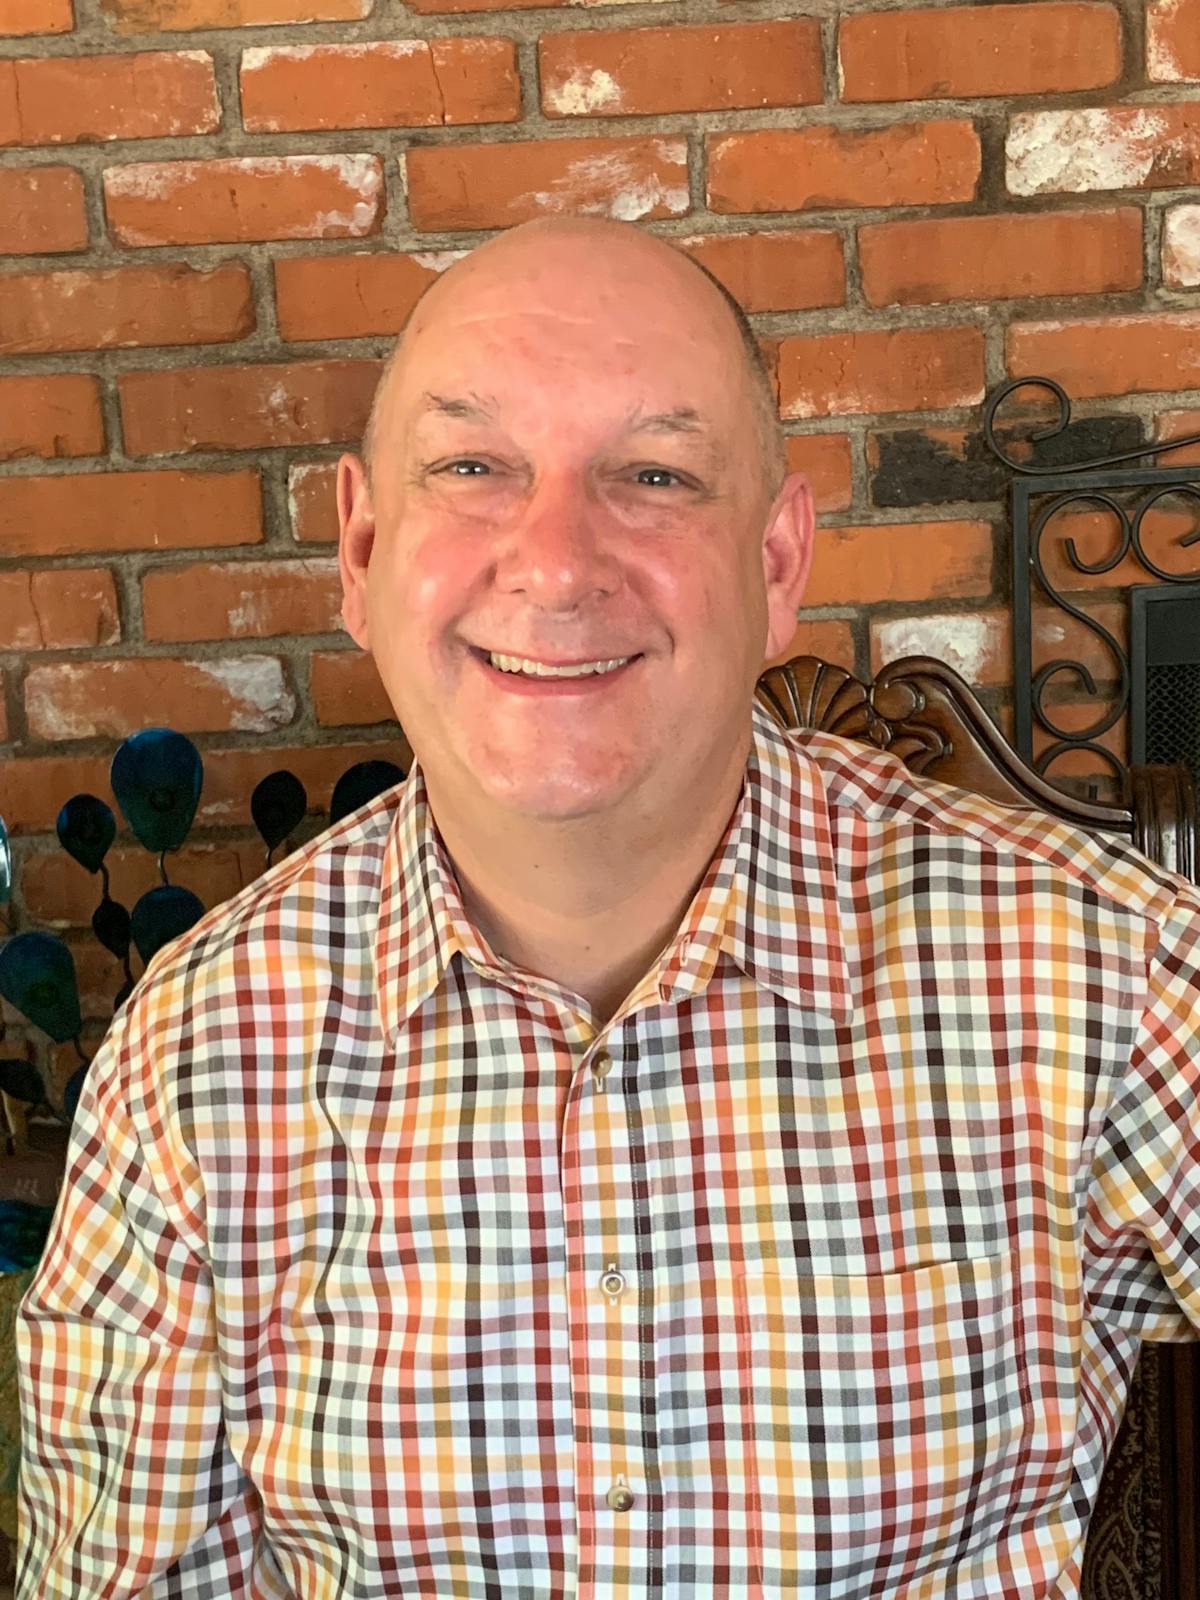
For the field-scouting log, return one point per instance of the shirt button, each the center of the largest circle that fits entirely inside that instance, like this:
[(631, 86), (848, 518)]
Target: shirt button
[(620, 1496), (612, 1282), (601, 1067)]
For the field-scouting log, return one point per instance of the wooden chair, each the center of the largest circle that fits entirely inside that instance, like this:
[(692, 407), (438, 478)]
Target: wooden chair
[(1143, 1542)]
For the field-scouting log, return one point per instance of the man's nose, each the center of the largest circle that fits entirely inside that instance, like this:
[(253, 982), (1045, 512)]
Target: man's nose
[(555, 552)]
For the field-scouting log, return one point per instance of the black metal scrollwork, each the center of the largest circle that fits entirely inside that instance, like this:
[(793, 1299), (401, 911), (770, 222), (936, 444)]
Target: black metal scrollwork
[(1040, 495)]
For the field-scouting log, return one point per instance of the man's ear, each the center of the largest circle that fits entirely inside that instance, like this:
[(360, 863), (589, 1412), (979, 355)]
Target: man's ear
[(787, 553), (356, 539)]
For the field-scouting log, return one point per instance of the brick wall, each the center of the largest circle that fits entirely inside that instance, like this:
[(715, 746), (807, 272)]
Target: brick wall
[(214, 212)]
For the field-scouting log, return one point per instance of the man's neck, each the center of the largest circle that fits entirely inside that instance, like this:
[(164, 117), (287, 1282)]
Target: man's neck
[(588, 904)]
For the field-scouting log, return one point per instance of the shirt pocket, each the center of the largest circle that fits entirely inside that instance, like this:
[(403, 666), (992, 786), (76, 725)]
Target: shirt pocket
[(885, 1419)]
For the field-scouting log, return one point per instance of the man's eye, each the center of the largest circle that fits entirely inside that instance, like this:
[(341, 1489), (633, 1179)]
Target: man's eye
[(467, 468), (657, 477)]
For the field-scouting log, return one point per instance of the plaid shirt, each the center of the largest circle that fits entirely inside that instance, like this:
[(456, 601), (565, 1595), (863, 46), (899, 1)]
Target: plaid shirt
[(381, 1272)]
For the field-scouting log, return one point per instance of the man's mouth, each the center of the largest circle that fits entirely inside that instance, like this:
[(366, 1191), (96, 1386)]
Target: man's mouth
[(527, 667), (545, 669)]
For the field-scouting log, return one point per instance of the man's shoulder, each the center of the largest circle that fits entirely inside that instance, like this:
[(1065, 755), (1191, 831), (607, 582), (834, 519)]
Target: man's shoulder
[(874, 790)]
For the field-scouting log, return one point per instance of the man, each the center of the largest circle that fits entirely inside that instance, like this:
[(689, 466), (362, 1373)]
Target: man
[(645, 1154)]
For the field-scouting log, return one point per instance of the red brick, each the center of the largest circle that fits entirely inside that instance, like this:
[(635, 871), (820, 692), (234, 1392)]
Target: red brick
[(241, 600), (1180, 425), (1000, 258), (902, 369), (37, 787), (260, 197), (824, 458), (41, 211), (436, 7), (78, 513), (312, 501), (347, 691), (1104, 148), (1043, 48), (818, 168), (3, 711), (652, 71), (162, 16), (246, 408), (496, 185), (36, 16), (1173, 41), (1111, 355), (784, 271), (977, 644), (59, 893), (111, 308), (832, 641), (62, 99), (347, 296), (901, 561), (86, 699), (50, 416), (392, 83), (58, 610)]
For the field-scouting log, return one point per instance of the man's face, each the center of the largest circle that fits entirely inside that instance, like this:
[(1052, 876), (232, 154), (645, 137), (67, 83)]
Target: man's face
[(563, 543)]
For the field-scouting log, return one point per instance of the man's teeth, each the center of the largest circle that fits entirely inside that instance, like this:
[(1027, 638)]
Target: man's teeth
[(539, 669)]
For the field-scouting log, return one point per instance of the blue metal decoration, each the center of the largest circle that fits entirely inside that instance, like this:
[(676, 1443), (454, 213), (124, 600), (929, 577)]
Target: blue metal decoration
[(86, 828), (162, 914), (156, 776), (23, 1231), (37, 976), (361, 783), (278, 805), (72, 1090)]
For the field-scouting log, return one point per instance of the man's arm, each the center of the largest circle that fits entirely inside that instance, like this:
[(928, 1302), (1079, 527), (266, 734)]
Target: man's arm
[(128, 1487), (1142, 1242)]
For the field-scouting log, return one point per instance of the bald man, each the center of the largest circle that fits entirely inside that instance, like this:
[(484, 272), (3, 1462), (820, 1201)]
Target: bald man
[(644, 1155)]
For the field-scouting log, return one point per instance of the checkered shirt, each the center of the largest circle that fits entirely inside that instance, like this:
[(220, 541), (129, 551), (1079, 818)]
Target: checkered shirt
[(382, 1271)]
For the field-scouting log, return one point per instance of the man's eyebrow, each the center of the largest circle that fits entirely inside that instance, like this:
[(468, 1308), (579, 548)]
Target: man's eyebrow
[(683, 419), (474, 409)]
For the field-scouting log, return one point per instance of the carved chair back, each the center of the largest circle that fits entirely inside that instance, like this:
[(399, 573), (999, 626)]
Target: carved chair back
[(1143, 1540)]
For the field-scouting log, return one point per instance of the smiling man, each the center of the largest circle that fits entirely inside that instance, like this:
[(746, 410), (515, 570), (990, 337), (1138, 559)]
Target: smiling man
[(645, 1155), (574, 551)]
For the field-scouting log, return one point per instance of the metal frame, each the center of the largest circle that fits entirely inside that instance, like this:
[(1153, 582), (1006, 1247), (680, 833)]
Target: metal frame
[(1039, 493)]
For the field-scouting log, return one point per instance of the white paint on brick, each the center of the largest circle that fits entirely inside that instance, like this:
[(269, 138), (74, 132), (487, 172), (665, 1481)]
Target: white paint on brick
[(1078, 151), (966, 642), (260, 699), (144, 180), (298, 477), (1181, 247), (260, 56), (1162, 64), (157, 180), (632, 192), (437, 260), (585, 92)]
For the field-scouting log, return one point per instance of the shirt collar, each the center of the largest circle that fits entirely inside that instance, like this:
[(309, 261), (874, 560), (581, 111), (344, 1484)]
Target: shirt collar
[(769, 900)]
